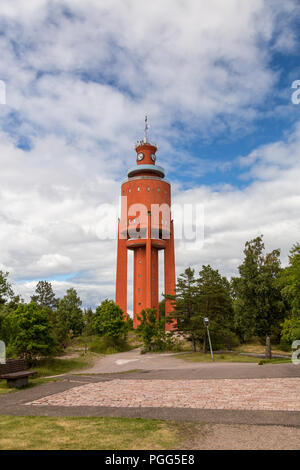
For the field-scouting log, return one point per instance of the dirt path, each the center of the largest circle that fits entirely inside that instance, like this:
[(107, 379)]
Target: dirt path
[(242, 437)]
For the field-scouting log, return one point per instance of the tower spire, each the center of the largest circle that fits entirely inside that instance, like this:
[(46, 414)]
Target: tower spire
[(146, 129)]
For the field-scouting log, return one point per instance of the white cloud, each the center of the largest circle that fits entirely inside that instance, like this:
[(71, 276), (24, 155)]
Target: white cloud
[(81, 75), (53, 262)]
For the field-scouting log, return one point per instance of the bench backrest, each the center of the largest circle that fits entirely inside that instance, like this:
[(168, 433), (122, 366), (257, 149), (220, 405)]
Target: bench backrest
[(13, 365)]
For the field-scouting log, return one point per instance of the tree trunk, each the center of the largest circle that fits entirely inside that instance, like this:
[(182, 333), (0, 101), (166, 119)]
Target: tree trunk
[(204, 345), (194, 345), (268, 348)]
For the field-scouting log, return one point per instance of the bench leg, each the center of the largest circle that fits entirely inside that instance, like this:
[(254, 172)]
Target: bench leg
[(17, 383)]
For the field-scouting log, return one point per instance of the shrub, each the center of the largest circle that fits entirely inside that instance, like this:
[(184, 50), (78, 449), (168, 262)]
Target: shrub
[(290, 332), (106, 345), (224, 339), (109, 321), (32, 332)]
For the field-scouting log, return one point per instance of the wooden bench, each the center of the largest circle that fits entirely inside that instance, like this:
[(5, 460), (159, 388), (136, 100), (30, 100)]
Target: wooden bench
[(15, 372)]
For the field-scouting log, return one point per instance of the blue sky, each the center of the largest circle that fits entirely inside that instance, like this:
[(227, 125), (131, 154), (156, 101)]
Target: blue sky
[(215, 80)]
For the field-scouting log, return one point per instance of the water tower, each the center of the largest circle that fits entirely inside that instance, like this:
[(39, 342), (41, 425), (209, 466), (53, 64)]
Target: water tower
[(145, 227)]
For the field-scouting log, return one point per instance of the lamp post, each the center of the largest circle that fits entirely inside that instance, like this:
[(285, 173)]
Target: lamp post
[(85, 336), (206, 323)]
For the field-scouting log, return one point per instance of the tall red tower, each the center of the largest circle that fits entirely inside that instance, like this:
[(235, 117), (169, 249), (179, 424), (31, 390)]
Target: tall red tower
[(145, 227)]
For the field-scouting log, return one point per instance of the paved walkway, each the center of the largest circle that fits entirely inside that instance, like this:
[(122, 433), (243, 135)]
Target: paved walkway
[(171, 366), (168, 388), (230, 394)]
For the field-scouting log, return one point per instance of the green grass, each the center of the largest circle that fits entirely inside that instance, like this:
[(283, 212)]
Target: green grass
[(4, 388), (227, 357), (257, 348), (54, 366), (38, 432), (274, 361)]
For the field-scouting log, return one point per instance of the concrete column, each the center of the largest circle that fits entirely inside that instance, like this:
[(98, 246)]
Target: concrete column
[(170, 280), (121, 279)]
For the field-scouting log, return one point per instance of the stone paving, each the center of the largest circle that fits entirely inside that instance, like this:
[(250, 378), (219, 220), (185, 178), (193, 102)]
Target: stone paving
[(225, 394)]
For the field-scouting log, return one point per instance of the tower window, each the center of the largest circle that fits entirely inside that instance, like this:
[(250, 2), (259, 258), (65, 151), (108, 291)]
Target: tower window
[(129, 190), (138, 188), (158, 189), (148, 189)]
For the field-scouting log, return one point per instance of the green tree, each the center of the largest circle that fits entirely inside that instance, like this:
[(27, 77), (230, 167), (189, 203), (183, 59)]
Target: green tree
[(289, 282), (44, 295), (6, 291), (290, 332), (259, 309), (32, 331), (88, 317), (186, 311), (214, 301), (151, 330), (109, 321), (69, 316)]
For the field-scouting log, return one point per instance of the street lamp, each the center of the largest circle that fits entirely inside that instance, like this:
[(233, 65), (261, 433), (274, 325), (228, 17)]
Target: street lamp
[(206, 323)]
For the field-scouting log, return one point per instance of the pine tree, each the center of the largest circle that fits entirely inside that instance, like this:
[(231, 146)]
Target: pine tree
[(259, 309), (44, 295), (215, 302)]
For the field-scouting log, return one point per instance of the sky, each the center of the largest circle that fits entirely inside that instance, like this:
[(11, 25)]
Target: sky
[(215, 79)]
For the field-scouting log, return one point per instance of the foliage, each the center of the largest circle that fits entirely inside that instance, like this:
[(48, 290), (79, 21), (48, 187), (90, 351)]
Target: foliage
[(151, 330), (69, 317), (186, 312), (290, 282), (50, 366), (32, 332), (215, 302), (109, 321), (290, 332), (108, 345), (88, 318), (258, 307), (208, 296), (6, 292), (44, 295)]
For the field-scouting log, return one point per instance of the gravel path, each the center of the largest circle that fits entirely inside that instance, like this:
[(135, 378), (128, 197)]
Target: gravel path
[(243, 437), (228, 394)]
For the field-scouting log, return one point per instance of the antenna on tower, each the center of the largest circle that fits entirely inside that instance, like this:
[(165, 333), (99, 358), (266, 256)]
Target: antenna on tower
[(146, 129)]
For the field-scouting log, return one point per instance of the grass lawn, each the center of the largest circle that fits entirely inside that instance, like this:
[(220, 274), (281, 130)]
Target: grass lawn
[(38, 432), (260, 349), (55, 366), (226, 357)]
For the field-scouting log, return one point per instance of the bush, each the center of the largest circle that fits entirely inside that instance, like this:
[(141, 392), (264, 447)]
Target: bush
[(151, 331), (106, 345), (109, 321), (225, 339), (32, 332), (290, 332)]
